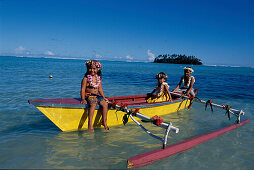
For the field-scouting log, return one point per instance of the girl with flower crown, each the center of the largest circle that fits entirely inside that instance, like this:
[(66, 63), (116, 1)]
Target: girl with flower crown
[(92, 93), (162, 92)]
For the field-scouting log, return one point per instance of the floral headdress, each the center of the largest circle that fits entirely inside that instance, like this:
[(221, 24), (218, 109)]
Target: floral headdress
[(97, 64), (161, 75), (188, 68)]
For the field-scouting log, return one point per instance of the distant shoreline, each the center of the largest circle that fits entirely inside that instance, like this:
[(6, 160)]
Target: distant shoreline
[(65, 58), (178, 59)]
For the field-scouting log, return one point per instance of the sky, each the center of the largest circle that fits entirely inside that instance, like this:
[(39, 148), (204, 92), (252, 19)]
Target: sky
[(219, 32)]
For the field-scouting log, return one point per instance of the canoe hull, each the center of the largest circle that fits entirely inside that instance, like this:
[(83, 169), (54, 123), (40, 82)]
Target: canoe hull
[(73, 119), (76, 118)]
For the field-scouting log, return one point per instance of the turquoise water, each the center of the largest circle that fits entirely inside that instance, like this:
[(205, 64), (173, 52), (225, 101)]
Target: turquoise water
[(29, 140)]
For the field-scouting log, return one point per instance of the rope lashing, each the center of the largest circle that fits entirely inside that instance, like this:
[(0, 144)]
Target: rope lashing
[(127, 115), (122, 107), (157, 120), (210, 103), (227, 108), (125, 118)]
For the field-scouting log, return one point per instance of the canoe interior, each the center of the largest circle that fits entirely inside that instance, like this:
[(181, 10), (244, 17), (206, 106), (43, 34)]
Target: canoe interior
[(129, 100)]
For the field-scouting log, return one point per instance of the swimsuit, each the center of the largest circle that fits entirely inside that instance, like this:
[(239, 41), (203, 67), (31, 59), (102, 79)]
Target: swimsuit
[(93, 98), (93, 83)]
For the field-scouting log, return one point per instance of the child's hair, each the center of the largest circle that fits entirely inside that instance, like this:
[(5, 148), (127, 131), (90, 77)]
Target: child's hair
[(161, 75), (188, 69), (97, 64)]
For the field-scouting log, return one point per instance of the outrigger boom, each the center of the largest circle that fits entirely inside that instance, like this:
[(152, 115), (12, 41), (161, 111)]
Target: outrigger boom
[(235, 112), (155, 120)]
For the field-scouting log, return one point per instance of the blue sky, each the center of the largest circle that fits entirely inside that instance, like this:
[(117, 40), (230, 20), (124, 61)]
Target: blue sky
[(217, 32)]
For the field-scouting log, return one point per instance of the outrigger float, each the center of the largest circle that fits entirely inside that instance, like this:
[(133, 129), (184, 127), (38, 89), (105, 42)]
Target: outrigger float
[(69, 115)]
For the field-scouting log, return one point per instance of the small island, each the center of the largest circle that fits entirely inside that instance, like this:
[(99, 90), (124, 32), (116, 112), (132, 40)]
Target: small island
[(177, 59)]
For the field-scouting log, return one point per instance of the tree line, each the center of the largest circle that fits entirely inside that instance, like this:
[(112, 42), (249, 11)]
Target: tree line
[(177, 59)]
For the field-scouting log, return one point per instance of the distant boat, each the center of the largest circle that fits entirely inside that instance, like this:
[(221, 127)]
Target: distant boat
[(69, 115)]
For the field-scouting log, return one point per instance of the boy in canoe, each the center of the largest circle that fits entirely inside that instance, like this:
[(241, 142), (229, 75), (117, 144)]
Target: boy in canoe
[(187, 80)]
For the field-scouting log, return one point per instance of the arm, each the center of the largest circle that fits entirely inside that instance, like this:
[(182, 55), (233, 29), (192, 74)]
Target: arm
[(153, 91), (177, 87), (170, 98), (82, 91), (102, 93)]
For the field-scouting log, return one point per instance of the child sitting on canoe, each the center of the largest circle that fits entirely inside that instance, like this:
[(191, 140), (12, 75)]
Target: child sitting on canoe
[(187, 80), (92, 93), (162, 92)]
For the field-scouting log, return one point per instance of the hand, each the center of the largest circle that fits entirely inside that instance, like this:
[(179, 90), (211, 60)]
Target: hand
[(106, 100), (83, 101)]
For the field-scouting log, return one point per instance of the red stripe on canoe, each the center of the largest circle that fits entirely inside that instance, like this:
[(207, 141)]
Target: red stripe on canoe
[(155, 155)]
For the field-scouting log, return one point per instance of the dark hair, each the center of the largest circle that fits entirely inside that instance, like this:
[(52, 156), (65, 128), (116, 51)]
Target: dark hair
[(161, 75), (90, 63)]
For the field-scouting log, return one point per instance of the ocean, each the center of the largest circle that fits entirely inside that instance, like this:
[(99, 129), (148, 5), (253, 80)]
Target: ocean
[(29, 140)]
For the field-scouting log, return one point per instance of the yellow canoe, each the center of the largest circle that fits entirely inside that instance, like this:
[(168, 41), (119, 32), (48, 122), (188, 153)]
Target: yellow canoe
[(69, 115)]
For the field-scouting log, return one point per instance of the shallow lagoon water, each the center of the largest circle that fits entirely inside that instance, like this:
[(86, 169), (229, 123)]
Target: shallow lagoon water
[(29, 140)]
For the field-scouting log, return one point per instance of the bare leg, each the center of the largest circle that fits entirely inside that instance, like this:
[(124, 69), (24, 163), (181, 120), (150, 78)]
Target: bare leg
[(190, 104), (90, 117), (104, 106)]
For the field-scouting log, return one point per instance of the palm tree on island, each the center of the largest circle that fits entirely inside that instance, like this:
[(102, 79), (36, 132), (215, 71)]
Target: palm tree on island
[(177, 59)]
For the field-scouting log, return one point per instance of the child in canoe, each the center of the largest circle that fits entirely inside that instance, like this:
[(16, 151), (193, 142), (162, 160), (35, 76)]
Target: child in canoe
[(161, 90), (92, 93), (187, 80)]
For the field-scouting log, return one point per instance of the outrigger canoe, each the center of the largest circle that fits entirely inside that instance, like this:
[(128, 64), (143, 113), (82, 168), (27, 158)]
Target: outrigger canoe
[(69, 115)]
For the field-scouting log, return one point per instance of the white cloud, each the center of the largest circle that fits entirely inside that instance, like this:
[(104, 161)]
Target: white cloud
[(98, 56), (151, 55), (19, 50), (118, 57), (49, 53), (129, 57)]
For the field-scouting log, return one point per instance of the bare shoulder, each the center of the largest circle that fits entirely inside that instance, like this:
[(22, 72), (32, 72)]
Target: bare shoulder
[(84, 79)]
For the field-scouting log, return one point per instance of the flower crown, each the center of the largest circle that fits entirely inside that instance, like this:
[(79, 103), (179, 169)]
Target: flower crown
[(161, 75), (97, 64), (188, 68)]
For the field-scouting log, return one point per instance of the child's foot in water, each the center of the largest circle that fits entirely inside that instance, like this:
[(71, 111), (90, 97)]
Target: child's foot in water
[(105, 126), (91, 129)]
